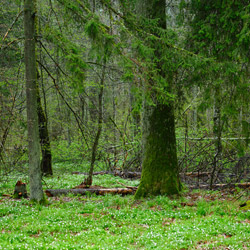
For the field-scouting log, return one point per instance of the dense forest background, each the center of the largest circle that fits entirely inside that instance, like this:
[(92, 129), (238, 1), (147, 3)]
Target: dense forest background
[(95, 60)]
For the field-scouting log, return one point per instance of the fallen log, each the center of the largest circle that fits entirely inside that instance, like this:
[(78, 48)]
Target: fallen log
[(195, 174), (134, 175), (126, 175), (84, 191), (126, 191), (95, 173), (222, 186), (130, 187), (230, 185)]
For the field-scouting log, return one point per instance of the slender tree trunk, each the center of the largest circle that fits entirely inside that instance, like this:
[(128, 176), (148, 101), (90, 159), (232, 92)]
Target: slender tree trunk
[(160, 174), (186, 133), (82, 107), (46, 162), (194, 111), (7, 128), (36, 191), (135, 115), (115, 135), (88, 181), (69, 137), (217, 134)]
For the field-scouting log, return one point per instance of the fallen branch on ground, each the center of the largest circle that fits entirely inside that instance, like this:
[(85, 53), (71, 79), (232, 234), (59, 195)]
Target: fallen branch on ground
[(126, 191), (128, 175), (93, 190), (138, 174), (94, 173), (195, 174), (223, 186), (130, 187)]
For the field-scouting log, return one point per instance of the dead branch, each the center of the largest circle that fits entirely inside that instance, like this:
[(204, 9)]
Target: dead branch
[(84, 191), (223, 186), (12, 25)]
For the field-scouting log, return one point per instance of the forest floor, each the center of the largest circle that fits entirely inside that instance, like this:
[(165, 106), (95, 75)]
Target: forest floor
[(195, 220)]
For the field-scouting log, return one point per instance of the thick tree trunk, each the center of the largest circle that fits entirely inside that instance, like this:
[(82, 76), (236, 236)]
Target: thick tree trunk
[(160, 167), (36, 191), (160, 175)]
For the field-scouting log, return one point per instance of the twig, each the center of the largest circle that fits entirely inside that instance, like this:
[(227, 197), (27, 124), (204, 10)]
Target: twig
[(60, 93), (6, 34), (134, 188)]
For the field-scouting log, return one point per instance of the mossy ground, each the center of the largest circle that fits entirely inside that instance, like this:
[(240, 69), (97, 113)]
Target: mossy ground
[(195, 220)]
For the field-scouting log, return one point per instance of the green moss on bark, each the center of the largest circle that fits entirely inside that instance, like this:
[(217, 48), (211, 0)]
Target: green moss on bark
[(160, 175)]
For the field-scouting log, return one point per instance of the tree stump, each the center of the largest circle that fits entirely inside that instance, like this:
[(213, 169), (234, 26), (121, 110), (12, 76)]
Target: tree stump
[(20, 190)]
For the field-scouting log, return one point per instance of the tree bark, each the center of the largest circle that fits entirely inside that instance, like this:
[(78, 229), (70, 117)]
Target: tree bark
[(88, 181), (115, 135), (84, 191), (46, 162), (36, 191), (160, 174), (217, 129)]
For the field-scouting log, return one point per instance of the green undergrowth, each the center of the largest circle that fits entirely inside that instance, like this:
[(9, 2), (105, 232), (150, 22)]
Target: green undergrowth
[(196, 220)]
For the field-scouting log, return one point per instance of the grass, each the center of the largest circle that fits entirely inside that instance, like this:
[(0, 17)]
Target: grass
[(196, 220)]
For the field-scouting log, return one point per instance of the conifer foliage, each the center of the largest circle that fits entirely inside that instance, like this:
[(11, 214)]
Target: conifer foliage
[(155, 86)]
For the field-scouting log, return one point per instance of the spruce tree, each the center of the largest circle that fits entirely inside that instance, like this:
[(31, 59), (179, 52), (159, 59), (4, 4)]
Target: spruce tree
[(160, 175)]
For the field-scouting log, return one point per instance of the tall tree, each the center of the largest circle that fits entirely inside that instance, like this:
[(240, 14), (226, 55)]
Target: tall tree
[(36, 191), (220, 29), (88, 180), (46, 162), (160, 174)]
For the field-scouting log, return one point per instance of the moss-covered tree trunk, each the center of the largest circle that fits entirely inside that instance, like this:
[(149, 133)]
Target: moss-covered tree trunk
[(160, 175), (36, 191)]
